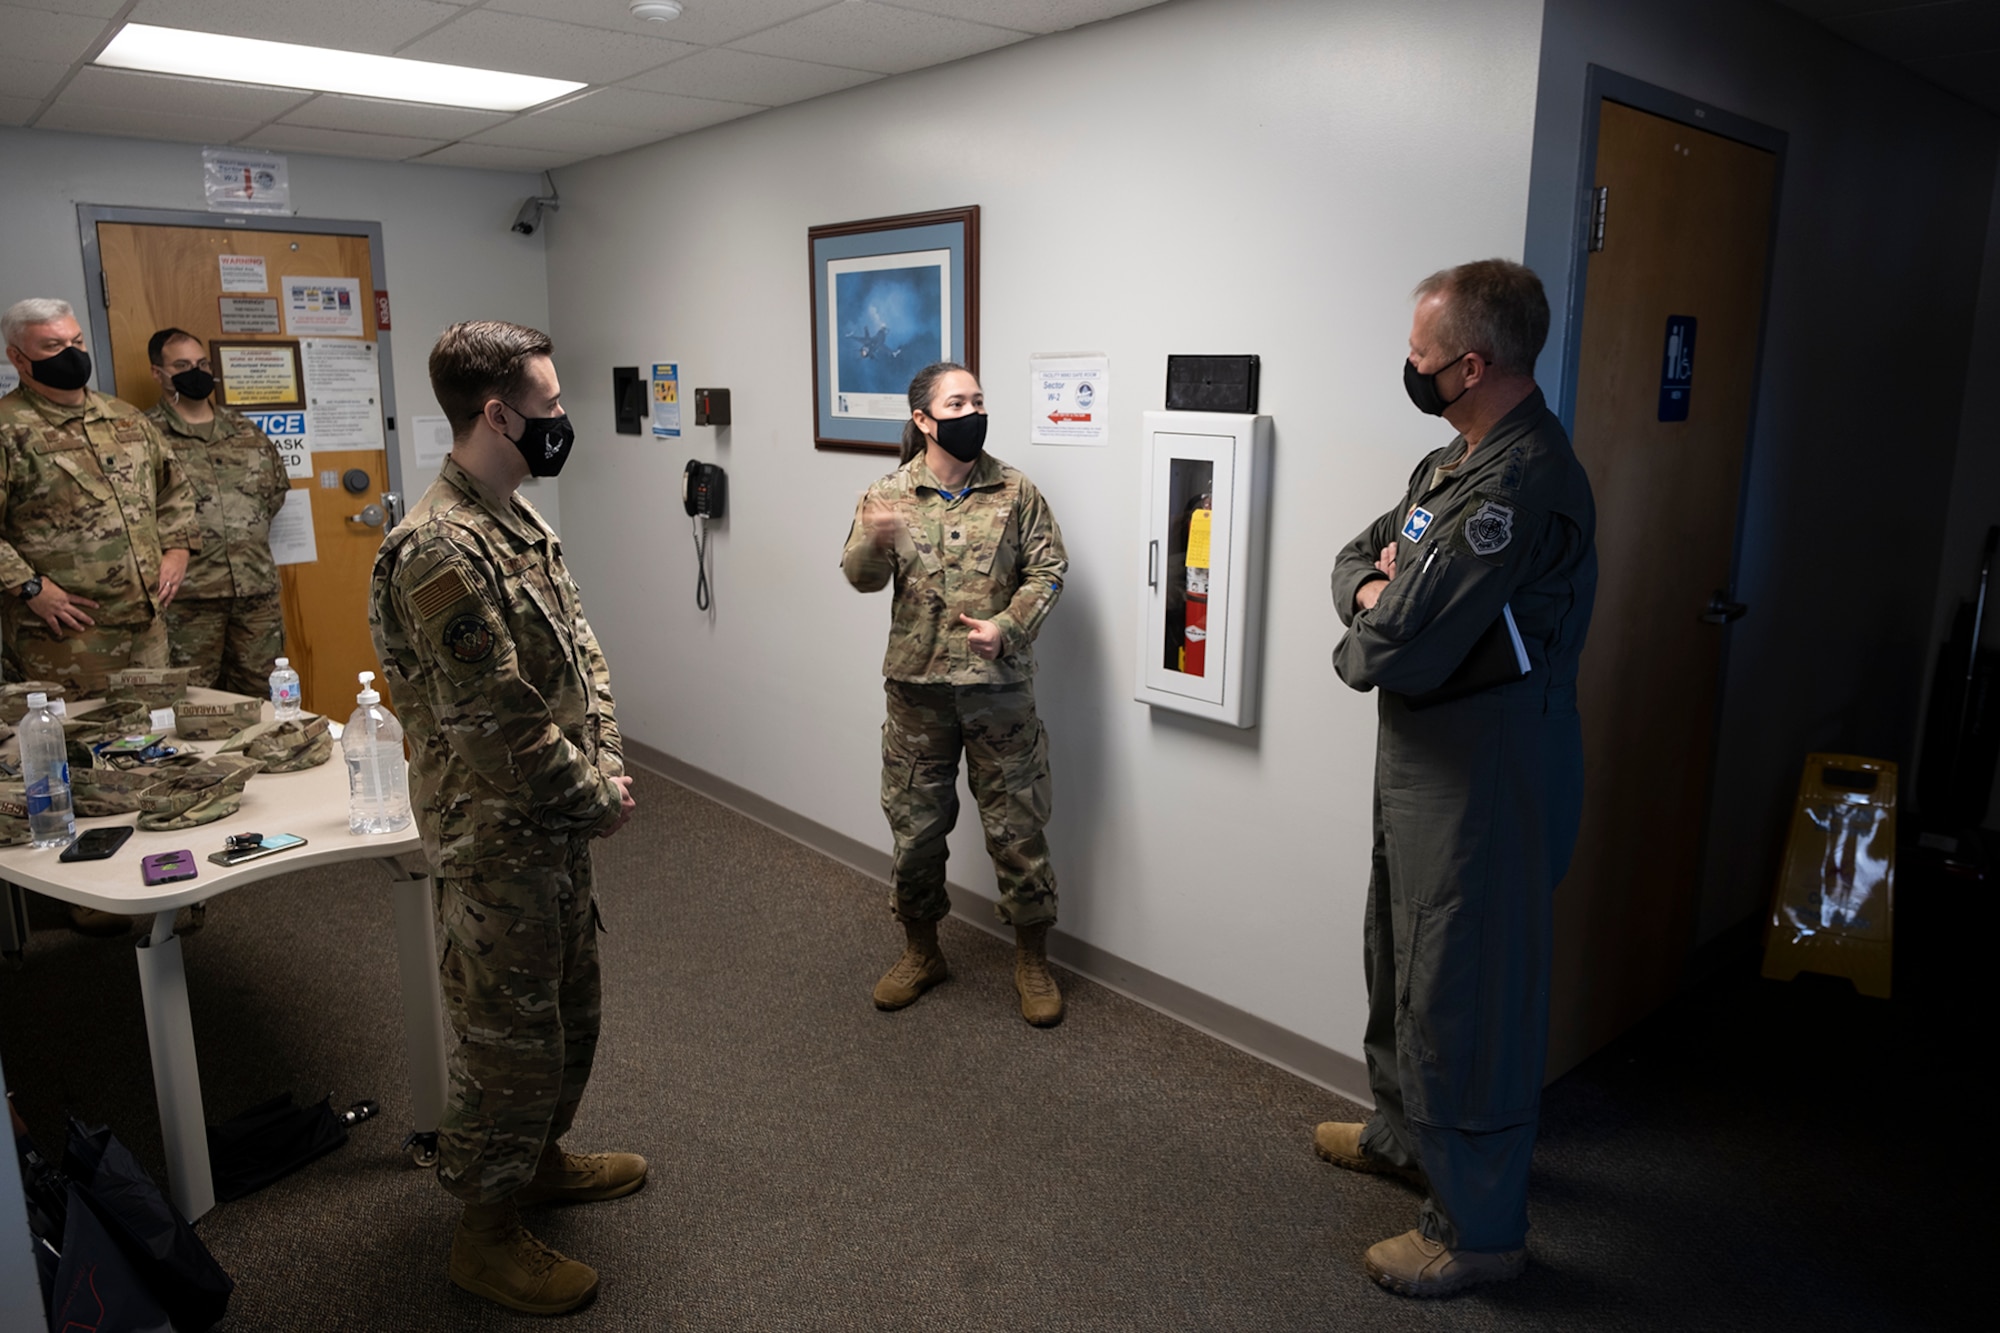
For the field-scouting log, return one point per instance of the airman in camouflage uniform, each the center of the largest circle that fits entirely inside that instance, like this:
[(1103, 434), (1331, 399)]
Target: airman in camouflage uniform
[(228, 623), (96, 517), (975, 565), (515, 764)]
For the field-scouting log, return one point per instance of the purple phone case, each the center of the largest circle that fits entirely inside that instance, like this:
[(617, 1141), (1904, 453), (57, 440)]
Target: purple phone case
[(168, 867)]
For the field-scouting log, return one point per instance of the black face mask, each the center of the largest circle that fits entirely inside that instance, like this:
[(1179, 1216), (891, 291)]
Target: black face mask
[(66, 370), (962, 437), (545, 442), (1423, 389), (196, 383)]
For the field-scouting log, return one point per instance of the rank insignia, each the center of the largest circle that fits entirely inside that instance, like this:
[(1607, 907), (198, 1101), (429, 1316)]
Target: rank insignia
[(1489, 529), (1417, 523), (469, 638)]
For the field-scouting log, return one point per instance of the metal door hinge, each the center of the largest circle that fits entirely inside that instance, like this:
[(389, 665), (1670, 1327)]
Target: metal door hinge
[(1598, 199), (104, 285)]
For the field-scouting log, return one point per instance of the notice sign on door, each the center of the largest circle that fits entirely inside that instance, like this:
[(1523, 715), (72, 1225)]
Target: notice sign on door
[(287, 430), (249, 314), (1677, 368)]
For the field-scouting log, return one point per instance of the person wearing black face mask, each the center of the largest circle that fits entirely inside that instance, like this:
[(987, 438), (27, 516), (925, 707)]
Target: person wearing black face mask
[(1478, 782), (227, 624), (515, 767), (977, 561)]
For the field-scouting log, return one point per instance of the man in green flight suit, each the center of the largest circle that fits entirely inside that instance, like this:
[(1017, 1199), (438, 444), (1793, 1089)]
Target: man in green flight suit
[(515, 765), (228, 623), (1478, 778)]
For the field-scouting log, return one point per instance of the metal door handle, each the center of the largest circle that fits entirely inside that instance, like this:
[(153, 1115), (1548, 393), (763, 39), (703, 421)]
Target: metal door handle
[(1721, 610), (372, 515), (1153, 564)]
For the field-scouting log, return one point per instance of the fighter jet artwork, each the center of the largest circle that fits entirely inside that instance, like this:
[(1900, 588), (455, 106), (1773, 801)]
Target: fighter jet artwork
[(876, 344)]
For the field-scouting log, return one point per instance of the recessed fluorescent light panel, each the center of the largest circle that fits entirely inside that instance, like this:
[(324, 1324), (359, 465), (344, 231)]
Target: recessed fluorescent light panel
[(207, 55)]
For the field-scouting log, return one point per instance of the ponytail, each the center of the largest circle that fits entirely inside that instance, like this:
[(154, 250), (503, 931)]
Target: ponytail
[(922, 386)]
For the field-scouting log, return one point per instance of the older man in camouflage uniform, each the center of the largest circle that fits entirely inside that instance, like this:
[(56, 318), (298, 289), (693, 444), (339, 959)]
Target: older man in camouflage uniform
[(96, 516), (516, 764), (978, 562), (228, 623)]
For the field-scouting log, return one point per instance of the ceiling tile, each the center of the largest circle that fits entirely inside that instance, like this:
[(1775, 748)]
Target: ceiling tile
[(497, 157), (1028, 15), (102, 9), (366, 115), (374, 26), (142, 95), (36, 34), (1935, 30), (339, 143), (573, 136), (16, 110), (874, 36), (522, 45), (740, 76), (157, 125), (631, 108), (1969, 75), (704, 22), (32, 79)]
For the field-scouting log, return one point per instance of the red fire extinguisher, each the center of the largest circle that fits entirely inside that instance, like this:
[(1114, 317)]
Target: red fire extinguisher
[(1194, 656)]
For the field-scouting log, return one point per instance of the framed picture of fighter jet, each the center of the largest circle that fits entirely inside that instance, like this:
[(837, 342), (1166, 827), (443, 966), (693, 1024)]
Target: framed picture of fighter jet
[(889, 297)]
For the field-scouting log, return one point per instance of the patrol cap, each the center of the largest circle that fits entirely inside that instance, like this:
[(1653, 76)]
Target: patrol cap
[(214, 722), (284, 747), (199, 794)]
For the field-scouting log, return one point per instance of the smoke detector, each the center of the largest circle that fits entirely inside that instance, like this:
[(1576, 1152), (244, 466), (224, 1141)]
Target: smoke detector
[(659, 11)]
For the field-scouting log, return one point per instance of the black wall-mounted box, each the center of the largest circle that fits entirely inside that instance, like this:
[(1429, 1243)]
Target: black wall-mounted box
[(711, 407), (1212, 384), (628, 395)]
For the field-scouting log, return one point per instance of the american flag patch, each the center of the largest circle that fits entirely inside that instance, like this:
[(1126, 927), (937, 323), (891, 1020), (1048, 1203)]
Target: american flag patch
[(440, 594)]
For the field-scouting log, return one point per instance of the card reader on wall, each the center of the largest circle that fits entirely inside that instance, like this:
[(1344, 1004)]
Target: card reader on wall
[(628, 400), (1212, 384)]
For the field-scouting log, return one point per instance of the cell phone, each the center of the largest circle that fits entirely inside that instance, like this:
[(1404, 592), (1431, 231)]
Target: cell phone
[(168, 867), (272, 842), (95, 844)]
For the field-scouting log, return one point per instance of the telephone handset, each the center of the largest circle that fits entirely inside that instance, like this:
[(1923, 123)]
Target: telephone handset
[(704, 489)]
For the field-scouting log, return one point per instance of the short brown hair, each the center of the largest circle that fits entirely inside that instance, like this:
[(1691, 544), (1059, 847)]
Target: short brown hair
[(1494, 307), (478, 361)]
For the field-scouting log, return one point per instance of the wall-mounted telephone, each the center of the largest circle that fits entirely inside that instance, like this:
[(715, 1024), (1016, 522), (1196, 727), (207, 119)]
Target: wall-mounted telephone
[(704, 489)]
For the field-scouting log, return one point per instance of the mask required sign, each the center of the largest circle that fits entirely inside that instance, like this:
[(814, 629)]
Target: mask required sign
[(287, 430)]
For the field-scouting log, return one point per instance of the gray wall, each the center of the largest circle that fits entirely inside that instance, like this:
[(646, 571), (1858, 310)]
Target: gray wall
[(445, 238), (1208, 176), (1883, 228)]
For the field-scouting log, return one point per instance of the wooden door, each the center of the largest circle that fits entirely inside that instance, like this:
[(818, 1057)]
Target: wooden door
[(1686, 237), (158, 276)]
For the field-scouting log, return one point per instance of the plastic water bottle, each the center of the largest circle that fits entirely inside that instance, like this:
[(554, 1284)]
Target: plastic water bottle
[(45, 770), (285, 691), (378, 782)]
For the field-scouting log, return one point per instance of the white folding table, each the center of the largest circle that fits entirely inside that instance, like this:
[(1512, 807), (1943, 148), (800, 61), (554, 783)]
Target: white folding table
[(312, 804)]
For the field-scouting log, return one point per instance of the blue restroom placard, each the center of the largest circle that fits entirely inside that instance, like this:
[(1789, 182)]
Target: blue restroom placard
[(1677, 368)]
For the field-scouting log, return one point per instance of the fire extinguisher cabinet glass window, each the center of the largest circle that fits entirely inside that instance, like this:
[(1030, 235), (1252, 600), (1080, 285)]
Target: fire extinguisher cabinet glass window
[(1201, 599)]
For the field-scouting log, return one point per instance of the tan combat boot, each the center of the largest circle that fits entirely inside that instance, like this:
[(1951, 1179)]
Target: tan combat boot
[(492, 1255), (1041, 1000), (1413, 1265), (921, 967), (573, 1177), (1339, 1142)]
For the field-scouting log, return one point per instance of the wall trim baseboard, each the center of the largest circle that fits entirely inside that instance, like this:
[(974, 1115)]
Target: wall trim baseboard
[(1297, 1055)]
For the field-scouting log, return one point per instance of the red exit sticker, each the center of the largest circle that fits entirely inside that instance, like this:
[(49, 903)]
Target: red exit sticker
[(381, 310)]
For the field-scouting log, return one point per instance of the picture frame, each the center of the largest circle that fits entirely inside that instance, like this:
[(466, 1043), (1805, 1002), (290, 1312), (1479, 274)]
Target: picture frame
[(889, 296), (259, 375)]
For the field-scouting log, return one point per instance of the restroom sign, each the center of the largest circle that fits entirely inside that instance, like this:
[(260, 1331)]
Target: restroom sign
[(1677, 368)]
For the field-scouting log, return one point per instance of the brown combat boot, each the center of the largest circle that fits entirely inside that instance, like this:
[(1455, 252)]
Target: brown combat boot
[(1041, 1000), (921, 967), (1414, 1265), (1339, 1142), (492, 1255), (573, 1177)]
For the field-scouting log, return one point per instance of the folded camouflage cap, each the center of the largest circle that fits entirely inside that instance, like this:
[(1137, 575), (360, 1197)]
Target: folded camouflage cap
[(103, 724), (156, 687), (13, 815), (284, 747), (203, 792), (108, 791), (214, 722), (14, 697)]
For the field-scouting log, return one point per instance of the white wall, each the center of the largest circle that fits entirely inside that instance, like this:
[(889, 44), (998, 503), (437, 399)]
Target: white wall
[(1882, 231), (1266, 176), (447, 247)]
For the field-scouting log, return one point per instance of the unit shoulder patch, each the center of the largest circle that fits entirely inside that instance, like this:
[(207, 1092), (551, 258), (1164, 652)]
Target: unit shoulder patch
[(469, 638), (1490, 528)]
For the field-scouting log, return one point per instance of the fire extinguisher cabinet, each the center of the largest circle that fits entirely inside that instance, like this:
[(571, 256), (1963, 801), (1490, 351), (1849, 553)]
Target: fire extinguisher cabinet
[(1207, 498)]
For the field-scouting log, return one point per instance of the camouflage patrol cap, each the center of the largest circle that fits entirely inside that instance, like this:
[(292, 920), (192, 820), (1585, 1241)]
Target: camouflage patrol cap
[(14, 696), (214, 722), (103, 724), (109, 791), (202, 793), (14, 815), (156, 687), (284, 747)]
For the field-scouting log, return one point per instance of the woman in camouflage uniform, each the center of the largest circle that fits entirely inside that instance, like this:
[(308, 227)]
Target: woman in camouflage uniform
[(977, 562)]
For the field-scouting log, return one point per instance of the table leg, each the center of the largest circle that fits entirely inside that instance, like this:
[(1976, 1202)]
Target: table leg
[(423, 1012), (176, 1077), (13, 921)]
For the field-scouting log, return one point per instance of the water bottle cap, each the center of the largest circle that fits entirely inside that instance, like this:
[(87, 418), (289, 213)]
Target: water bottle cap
[(38, 700), (284, 661)]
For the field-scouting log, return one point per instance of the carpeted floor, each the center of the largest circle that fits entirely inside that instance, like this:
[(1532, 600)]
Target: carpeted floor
[(818, 1165)]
